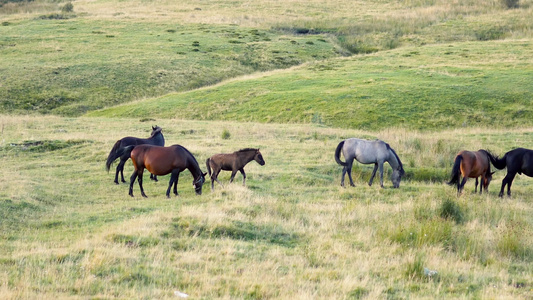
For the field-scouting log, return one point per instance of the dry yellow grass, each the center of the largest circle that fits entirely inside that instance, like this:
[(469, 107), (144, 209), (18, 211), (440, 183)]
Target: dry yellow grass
[(304, 236)]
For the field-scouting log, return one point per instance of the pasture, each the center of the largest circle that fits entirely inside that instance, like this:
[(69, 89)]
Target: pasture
[(69, 232), (292, 78)]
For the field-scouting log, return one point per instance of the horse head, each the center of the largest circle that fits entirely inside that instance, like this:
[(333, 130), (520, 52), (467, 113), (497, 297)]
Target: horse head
[(397, 177), (156, 130), (198, 182), (259, 158), (487, 180)]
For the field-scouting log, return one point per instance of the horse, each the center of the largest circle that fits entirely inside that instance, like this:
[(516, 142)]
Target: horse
[(375, 152), (472, 164), (519, 160), (160, 160), (156, 138), (232, 162)]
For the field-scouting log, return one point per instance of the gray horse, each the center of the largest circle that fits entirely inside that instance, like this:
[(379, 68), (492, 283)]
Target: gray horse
[(369, 152)]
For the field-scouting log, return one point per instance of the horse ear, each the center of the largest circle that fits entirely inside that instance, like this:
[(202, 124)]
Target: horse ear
[(492, 173), (153, 128), (205, 174)]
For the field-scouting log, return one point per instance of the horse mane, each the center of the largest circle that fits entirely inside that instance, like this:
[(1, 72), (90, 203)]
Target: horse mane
[(187, 150), (247, 149), (402, 171), (490, 156)]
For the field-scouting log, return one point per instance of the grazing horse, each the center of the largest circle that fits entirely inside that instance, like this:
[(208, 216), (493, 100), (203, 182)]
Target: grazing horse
[(232, 162), (471, 164), (375, 152), (161, 161), (519, 161), (156, 138)]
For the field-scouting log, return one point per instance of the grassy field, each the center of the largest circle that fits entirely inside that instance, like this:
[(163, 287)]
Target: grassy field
[(483, 84), (293, 78), (69, 232), (106, 53)]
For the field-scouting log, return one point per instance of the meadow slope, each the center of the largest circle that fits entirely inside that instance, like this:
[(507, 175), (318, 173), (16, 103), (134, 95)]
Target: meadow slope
[(67, 231), (432, 87), (293, 78)]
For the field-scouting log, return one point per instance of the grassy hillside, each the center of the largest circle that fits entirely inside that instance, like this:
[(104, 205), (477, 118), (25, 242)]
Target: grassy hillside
[(106, 52), (67, 231), (71, 66), (432, 87)]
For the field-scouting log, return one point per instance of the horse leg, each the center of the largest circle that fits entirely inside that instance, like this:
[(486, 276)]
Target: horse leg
[(132, 181), (176, 183), (349, 171), (233, 172), (381, 174), (243, 176), (373, 174), (153, 177), (173, 178), (462, 185), (214, 177), (140, 180), (480, 187), (343, 174), (508, 179), (120, 169)]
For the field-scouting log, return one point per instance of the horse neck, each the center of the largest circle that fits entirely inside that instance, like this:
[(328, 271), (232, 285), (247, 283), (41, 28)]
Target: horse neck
[(249, 156), (393, 160), (157, 139), (193, 167)]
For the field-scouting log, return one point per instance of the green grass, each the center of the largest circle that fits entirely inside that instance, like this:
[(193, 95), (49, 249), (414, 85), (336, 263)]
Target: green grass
[(431, 87), (108, 53), (430, 77), (66, 230), (79, 65)]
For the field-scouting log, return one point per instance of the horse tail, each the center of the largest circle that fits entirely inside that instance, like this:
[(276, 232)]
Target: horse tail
[(456, 171), (125, 152), (338, 154), (208, 166), (499, 163), (112, 155)]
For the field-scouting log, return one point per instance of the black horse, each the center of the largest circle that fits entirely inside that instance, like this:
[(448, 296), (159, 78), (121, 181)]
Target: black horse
[(519, 161), (156, 138)]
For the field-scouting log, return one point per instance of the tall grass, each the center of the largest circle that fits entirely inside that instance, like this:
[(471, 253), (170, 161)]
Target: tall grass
[(67, 231)]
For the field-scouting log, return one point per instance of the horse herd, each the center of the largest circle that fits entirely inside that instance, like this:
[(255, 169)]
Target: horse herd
[(151, 154)]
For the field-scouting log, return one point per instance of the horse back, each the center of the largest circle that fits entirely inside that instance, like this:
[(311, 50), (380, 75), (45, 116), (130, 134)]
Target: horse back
[(158, 160), (521, 161), (365, 151), (224, 161), (474, 164)]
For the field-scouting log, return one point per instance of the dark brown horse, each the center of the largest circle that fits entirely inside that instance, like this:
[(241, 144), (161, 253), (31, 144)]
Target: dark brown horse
[(161, 161), (156, 138), (232, 162), (471, 164), (519, 161)]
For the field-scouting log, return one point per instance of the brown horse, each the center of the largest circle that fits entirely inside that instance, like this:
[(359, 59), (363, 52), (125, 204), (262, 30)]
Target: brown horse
[(160, 160), (232, 162), (471, 164)]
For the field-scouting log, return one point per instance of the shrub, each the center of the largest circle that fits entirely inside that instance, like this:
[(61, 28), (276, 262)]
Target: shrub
[(225, 134), (451, 210), (511, 3), (67, 8)]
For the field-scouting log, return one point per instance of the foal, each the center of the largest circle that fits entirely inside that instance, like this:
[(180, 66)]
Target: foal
[(232, 162)]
